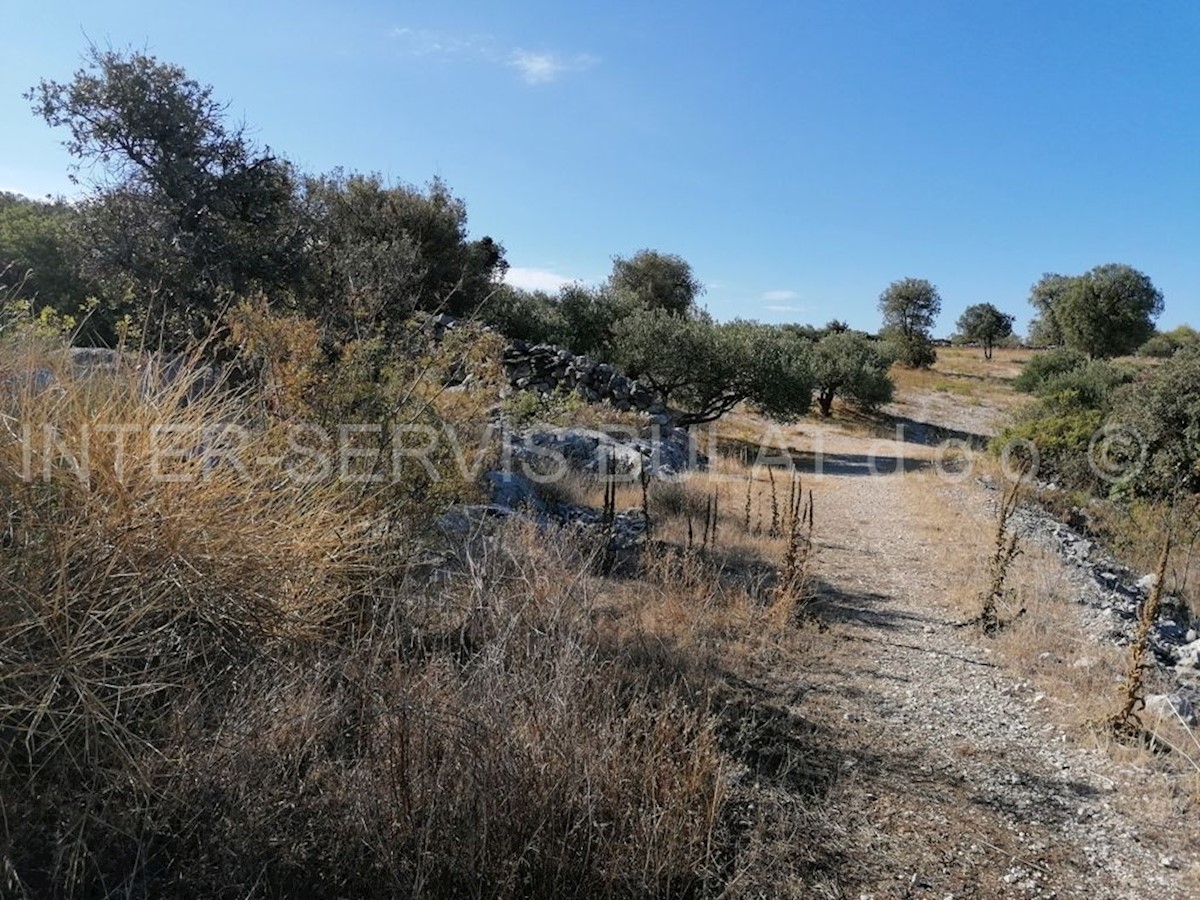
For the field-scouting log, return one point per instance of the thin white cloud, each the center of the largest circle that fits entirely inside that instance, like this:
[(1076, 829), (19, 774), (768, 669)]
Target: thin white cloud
[(535, 67), (779, 296), (424, 42), (542, 67), (535, 279)]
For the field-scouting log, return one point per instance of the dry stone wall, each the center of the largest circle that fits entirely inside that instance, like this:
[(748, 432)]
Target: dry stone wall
[(546, 369)]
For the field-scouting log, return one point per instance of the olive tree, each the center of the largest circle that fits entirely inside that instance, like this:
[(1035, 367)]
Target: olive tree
[(850, 365), (184, 208), (984, 324), (653, 280), (910, 306), (705, 369)]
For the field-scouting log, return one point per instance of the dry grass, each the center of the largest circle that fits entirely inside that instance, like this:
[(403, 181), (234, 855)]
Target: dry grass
[(494, 744), (1004, 365), (1081, 679), (248, 680)]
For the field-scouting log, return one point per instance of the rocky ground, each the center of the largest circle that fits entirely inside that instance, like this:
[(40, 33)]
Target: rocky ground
[(1110, 597), (965, 782)]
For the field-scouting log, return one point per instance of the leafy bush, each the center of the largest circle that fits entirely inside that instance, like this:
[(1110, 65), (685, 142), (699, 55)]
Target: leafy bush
[(1090, 386), (1163, 410), (1046, 365), (523, 408), (1066, 423), (532, 316), (1062, 440), (911, 351), (1164, 344)]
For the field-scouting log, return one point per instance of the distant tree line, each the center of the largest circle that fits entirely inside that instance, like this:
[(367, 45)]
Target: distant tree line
[(185, 217), (185, 220)]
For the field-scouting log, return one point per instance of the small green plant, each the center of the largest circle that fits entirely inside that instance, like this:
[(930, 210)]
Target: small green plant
[(524, 408)]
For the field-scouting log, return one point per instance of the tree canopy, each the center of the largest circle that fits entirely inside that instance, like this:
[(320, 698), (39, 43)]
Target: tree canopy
[(1109, 311), (654, 280), (706, 369), (849, 364), (910, 306), (185, 210), (389, 251), (1044, 295), (982, 323)]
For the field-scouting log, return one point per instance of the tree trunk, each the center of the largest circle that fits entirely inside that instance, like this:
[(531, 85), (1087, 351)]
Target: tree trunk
[(825, 402), (987, 349)]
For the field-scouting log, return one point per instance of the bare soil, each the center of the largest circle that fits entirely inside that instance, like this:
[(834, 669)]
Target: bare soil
[(960, 772)]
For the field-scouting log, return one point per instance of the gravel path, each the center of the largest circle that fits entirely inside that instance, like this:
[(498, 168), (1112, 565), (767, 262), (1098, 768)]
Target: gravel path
[(957, 783)]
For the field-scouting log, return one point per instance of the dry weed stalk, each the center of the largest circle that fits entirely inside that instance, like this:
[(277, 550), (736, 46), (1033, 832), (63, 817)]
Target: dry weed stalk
[(715, 516), (644, 480), (608, 516), (774, 532), (1005, 550), (708, 536), (793, 581), (1126, 722), (749, 497)]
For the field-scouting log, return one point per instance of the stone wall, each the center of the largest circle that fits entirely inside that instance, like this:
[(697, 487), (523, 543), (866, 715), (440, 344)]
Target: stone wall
[(545, 369)]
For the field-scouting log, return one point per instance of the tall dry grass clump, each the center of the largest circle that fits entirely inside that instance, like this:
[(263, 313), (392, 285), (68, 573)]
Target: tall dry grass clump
[(139, 563), (508, 752), (220, 676)]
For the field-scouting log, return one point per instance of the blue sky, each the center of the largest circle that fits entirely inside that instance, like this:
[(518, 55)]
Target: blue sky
[(800, 155)]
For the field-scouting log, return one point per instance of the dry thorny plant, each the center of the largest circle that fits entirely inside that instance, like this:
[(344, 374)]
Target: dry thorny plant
[(1005, 549)]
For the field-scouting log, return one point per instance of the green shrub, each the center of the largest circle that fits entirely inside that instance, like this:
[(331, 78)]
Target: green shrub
[(523, 408), (1046, 365), (1163, 410), (1090, 386), (1165, 344), (1062, 441)]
